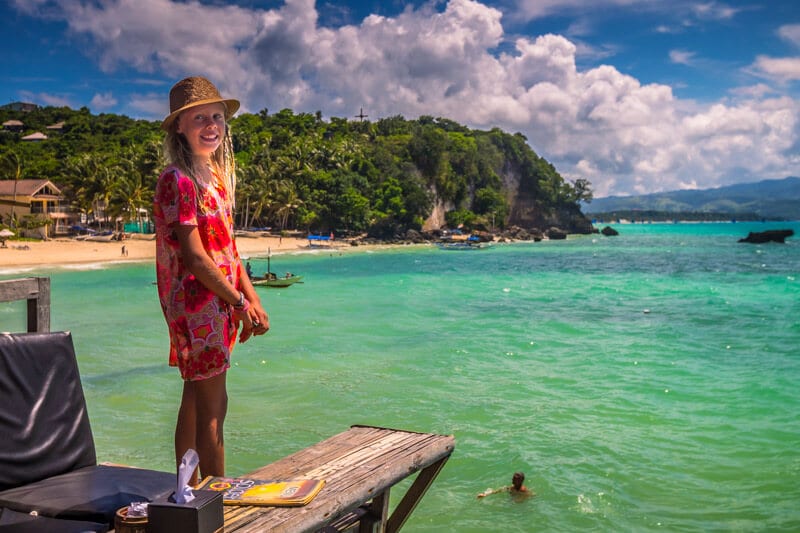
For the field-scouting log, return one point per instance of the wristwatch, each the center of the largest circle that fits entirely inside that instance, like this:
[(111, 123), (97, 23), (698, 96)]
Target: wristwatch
[(240, 303)]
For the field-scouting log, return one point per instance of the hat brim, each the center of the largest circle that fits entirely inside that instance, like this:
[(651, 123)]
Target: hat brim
[(231, 107)]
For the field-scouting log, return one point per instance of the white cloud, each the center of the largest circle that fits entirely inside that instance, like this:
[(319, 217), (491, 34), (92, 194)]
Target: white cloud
[(757, 91), (102, 102), (161, 36), (149, 105), (791, 33), (783, 69), (681, 57), (598, 124), (55, 100), (714, 11), (533, 9)]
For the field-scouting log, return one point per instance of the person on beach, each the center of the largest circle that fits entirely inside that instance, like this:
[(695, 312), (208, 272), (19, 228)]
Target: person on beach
[(203, 288), (515, 489)]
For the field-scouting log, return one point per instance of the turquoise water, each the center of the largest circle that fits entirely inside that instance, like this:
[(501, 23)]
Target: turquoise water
[(646, 382)]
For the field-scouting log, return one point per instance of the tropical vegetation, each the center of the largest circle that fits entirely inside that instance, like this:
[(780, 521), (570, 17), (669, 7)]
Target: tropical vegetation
[(298, 171)]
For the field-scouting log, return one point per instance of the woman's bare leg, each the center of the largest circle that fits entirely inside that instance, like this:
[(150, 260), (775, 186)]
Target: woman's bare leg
[(200, 424), (186, 427)]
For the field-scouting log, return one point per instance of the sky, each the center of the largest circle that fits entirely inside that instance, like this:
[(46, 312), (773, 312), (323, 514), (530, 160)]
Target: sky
[(636, 96)]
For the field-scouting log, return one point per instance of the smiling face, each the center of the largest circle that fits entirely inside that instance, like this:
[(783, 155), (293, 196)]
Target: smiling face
[(204, 127)]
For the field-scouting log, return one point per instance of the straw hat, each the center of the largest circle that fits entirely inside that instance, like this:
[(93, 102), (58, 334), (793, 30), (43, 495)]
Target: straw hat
[(195, 91)]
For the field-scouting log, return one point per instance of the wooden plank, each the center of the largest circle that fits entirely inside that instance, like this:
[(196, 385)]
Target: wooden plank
[(17, 289), (359, 466), (37, 293), (39, 307)]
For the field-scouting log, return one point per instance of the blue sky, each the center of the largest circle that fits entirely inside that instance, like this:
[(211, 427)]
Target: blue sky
[(636, 96)]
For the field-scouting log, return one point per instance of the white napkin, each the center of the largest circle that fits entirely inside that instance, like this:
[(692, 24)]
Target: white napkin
[(137, 509), (189, 462)]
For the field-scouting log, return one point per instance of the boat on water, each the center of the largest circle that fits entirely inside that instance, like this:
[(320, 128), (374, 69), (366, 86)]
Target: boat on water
[(105, 236), (270, 279), (472, 243), (462, 245)]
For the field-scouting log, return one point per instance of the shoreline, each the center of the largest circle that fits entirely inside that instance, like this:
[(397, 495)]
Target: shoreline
[(21, 256)]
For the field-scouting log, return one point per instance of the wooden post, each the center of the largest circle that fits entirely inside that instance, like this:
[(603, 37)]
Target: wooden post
[(375, 520), (37, 292), (415, 493)]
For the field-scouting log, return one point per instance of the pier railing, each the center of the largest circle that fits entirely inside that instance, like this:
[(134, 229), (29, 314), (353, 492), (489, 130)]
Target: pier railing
[(37, 293)]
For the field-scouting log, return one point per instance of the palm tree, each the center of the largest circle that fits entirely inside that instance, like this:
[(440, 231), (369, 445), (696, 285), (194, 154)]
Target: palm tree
[(130, 196), (259, 190), (94, 184), (131, 193), (285, 201)]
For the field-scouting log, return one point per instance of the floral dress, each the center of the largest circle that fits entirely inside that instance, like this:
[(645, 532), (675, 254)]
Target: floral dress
[(201, 328)]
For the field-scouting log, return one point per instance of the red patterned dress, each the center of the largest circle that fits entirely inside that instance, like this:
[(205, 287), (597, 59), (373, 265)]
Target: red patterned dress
[(201, 328)]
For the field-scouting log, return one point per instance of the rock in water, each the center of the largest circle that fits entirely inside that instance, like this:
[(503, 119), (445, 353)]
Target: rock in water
[(608, 231), (774, 235)]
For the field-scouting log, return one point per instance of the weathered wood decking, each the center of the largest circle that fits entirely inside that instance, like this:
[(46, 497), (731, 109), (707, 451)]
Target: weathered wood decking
[(359, 466)]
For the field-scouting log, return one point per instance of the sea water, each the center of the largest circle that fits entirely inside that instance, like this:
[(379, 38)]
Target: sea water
[(643, 382)]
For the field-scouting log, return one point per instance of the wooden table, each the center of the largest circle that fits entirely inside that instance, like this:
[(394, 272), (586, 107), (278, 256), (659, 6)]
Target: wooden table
[(359, 467)]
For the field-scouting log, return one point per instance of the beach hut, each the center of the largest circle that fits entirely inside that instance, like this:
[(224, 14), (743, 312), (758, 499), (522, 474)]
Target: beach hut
[(35, 137), (57, 127), (13, 126)]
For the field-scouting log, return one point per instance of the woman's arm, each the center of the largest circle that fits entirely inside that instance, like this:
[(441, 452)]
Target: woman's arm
[(198, 262)]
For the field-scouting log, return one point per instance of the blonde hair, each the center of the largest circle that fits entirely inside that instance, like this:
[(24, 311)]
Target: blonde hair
[(178, 152)]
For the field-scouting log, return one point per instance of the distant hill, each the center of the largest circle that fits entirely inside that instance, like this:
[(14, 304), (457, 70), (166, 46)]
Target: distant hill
[(769, 199)]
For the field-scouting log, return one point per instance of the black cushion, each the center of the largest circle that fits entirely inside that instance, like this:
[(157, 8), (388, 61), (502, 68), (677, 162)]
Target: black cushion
[(14, 522), (93, 493), (43, 420)]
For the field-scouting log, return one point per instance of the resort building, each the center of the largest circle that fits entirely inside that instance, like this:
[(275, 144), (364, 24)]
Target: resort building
[(36, 197), (14, 126), (38, 136), (57, 127)]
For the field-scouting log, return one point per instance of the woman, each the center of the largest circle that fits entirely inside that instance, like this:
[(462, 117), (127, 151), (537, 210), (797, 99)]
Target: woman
[(205, 292)]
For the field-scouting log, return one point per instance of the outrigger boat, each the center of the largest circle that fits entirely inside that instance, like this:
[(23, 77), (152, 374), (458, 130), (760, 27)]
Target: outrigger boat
[(472, 243), (275, 281), (270, 279)]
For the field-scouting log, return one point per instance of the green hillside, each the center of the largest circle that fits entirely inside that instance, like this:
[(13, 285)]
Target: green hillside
[(767, 199), (300, 171)]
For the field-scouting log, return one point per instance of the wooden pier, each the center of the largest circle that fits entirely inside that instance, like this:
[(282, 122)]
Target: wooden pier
[(37, 292), (359, 467)]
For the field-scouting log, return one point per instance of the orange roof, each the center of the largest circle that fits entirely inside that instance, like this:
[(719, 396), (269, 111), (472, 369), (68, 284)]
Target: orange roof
[(38, 136), (25, 187)]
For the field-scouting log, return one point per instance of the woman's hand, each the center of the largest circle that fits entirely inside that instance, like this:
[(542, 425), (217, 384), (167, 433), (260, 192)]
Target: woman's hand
[(253, 318), (259, 319)]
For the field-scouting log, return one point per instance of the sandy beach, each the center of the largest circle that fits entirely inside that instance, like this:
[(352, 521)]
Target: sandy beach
[(62, 251)]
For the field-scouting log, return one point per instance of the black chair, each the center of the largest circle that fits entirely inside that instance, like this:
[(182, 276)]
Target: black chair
[(48, 465)]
